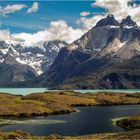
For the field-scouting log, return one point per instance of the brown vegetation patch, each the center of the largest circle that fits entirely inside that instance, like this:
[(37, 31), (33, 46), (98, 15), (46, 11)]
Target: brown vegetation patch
[(59, 102)]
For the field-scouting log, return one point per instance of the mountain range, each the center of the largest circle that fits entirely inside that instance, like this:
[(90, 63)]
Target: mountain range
[(19, 63), (106, 57)]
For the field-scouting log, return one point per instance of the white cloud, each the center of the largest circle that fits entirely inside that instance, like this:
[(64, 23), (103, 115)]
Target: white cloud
[(11, 8), (61, 30), (119, 8), (34, 8), (88, 23), (5, 35), (84, 13), (58, 30)]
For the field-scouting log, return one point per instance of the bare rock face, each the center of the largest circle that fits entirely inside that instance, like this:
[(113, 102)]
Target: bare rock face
[(105, 57), (109, 20), (104, 48), (128, 22), (128, 51)]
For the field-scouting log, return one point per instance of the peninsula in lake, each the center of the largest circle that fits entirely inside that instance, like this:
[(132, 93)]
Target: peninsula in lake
[(16, 109)]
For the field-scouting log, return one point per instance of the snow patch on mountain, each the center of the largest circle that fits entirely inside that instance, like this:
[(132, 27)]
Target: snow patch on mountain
[(128, 27), (35, 64), (39, 58), (114, 27)]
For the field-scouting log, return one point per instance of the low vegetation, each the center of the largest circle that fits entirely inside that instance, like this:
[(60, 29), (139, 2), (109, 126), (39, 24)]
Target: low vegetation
[(130, 123), (18, 135), (58, 102)]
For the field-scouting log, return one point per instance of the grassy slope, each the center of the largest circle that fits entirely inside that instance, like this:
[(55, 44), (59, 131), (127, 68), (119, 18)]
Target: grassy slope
[(130, 123), (64, 102), (59, 102), (12, 105), (112, 136), (42, 103)]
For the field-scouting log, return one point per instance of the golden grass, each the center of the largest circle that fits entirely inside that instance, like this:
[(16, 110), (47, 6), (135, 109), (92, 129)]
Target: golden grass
[(58, 102), (117, 98), (63, 102), (129, 123), (16, 135)]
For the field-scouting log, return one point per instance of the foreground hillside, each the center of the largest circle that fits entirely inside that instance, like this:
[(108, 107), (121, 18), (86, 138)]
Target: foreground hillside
[(59, 102), (115, 136)]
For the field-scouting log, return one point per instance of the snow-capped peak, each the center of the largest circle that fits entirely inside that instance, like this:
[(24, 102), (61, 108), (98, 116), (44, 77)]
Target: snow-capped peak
[(39, 58)]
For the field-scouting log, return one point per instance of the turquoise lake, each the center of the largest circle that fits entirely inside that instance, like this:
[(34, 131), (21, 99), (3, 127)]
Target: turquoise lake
[(26, 91)]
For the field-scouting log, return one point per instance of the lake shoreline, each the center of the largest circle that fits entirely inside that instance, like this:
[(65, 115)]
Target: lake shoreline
[(5, 135), (27, 91), (44, 104), (129, 122), (70, 100)]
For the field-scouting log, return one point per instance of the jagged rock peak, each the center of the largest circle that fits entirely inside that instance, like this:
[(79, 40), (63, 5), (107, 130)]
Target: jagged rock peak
[(128, 22), (109, 20)]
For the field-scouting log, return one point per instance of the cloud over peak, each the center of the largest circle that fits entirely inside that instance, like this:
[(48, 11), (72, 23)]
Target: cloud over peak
[(119, 8), (58, 30)]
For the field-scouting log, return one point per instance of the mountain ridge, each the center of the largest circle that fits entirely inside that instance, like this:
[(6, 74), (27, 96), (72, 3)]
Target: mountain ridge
[(106, 57), (104, 44), (23, 61)]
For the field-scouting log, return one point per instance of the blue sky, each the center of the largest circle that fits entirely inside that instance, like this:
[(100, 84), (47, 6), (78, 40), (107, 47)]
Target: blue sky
[(37, 21), (48, 11)]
